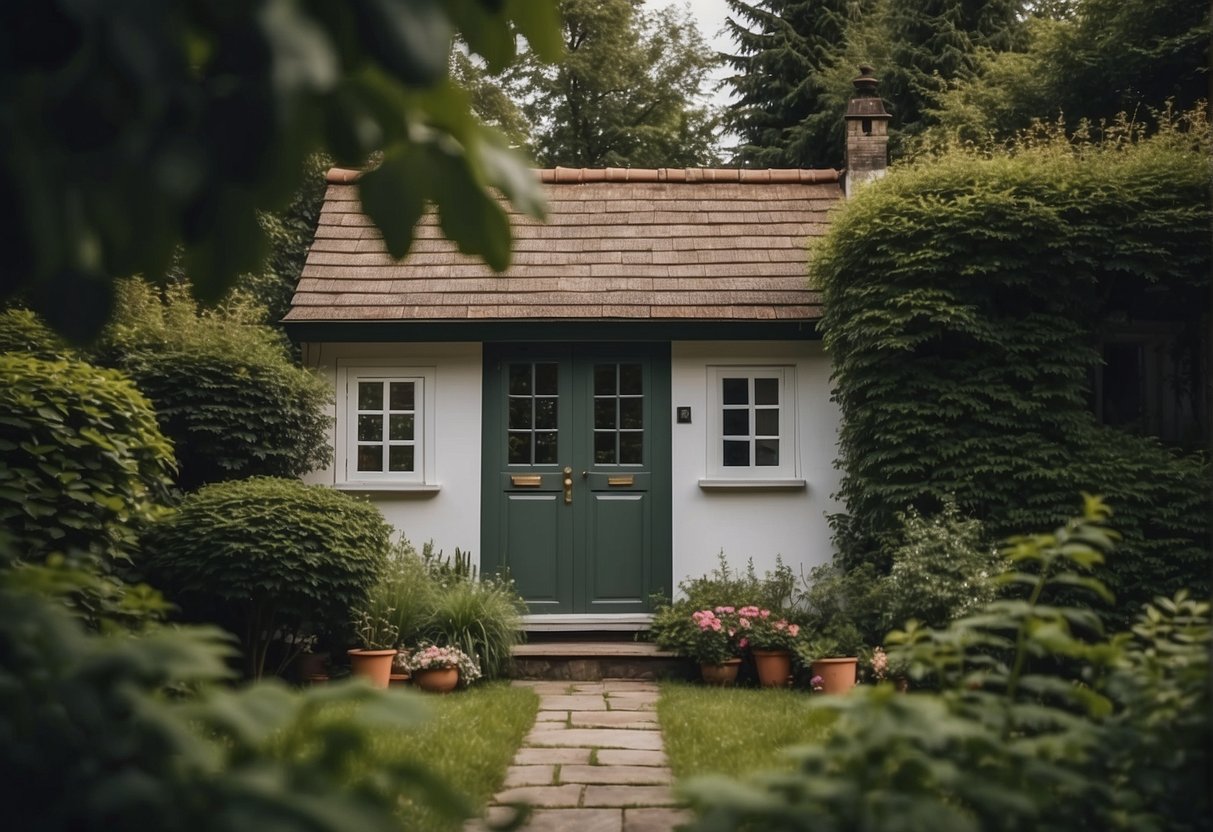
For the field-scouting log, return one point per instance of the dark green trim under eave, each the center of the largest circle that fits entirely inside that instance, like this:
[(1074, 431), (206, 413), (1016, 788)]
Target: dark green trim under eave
[(542, 331)]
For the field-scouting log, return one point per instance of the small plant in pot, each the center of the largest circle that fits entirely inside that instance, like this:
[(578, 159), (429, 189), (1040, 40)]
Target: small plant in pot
[(440, 669), (715, 641), (771, 640), (377, 635)]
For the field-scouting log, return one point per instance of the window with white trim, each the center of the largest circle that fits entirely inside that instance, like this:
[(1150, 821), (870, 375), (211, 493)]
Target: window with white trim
[(751, 425), (384, 438)]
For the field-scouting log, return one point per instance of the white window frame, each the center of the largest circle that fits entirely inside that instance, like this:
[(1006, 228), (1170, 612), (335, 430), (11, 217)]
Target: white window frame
[(786, 473), (422, 478)]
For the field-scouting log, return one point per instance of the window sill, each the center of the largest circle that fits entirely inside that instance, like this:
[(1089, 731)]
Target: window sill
[(789, 484), (390, 487)]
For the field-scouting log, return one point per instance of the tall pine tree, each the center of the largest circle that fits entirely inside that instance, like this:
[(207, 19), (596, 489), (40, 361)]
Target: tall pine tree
[(786, 113)]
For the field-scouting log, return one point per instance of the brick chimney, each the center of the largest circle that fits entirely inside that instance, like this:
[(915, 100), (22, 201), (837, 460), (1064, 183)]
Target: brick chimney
[(867, 133)]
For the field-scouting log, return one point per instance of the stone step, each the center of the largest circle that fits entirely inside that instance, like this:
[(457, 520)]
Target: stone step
[(593, 660)]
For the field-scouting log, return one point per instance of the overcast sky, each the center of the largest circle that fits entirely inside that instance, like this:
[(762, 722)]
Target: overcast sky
[(710, 15)]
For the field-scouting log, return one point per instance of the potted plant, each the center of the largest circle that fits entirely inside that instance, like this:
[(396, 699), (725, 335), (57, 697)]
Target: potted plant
[(441, 669), (771, 642), (715, 640), (377, 634), (833, 656)]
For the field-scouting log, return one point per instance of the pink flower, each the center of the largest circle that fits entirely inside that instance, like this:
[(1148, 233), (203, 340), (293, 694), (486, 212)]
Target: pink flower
[(724, 609), (744, 622), (749, 612), (781, 625), (793, 630), (743, 643), (716, 625), (764, 613), (817, 683)]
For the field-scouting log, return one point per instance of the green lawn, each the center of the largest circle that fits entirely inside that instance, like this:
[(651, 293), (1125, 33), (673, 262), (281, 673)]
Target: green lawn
[(735, 731), (468, 740)]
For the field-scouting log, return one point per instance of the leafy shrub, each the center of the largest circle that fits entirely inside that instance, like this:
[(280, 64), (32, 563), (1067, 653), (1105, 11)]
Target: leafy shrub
[(269, 559), (23, 331), (91, 741), (942, 569), (84, 462), (963, 297), (223, 385), (839, 610), (1041, 721)]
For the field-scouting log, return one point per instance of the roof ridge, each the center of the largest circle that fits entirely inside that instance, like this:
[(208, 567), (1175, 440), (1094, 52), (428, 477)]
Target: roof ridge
[(577, 176)]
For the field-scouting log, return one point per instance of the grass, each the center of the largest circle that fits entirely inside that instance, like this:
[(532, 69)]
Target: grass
[(467, 740), (735, 731)]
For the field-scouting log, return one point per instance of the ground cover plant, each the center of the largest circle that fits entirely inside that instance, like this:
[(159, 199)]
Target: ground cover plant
[(736, 731), (964, 297), (1038, 718)]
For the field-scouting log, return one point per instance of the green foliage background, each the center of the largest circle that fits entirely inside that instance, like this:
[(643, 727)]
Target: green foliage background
[(963, 300)]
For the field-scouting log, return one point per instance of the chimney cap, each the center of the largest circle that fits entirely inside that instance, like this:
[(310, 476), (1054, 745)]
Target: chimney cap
[(866, 102)]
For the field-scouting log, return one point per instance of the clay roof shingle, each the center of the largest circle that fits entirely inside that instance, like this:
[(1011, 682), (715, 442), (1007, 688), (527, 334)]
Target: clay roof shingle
[(626, 244)]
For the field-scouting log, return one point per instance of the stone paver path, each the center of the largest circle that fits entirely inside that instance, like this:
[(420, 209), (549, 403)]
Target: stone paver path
[(593, 762)]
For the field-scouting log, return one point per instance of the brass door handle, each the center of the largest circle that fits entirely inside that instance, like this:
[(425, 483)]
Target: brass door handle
[(568, 486)]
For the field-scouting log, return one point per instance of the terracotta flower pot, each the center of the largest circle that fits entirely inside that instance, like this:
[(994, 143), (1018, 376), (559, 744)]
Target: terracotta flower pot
[(398, 680), (837, 675), (774, 667), (442, 680), (721, 675), (374, 665)]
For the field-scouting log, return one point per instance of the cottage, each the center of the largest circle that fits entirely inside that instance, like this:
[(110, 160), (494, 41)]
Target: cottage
[(642, 389)]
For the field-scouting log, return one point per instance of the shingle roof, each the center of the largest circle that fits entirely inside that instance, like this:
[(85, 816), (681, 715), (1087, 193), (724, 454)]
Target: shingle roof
[(627, 244)]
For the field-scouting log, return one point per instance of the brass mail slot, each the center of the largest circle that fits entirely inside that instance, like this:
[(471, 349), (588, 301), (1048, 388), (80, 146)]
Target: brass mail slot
[(628, 480), (526, 480)]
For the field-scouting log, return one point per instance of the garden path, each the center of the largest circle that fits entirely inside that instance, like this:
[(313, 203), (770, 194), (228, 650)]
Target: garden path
[(593, 762)]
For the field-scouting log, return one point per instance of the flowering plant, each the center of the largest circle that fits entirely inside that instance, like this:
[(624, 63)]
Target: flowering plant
[(716, 636), (765, 632), (431, 657)]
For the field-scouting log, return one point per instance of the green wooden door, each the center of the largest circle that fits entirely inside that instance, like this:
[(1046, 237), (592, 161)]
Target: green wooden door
[(576, 493)]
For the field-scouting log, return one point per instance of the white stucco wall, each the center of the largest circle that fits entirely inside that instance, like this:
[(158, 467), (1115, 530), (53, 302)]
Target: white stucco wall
[(744, 523), (450, 516), (755, 523)]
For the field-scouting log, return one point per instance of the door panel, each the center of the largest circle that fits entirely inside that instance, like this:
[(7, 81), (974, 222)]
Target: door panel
[(576, 501)]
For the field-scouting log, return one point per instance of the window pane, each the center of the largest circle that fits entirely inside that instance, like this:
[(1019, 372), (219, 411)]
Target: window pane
[(737, 423), (604, 380), (766, 452), (604, 447), (520, 379), (370, 395), (370, 429), (400, 427), (545, 379), (604, 414), (545, 413), (766, 391), (766, 422), (520, 412), (400, 396), (400, 458), (519, 452), (736, 390), (631, 414), (631, 448), (545, 447), (370, 458), (736, 454), (631, 379)]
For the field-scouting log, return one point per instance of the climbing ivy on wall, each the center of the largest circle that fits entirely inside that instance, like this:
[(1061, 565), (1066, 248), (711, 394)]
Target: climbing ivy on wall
[(964, 296)]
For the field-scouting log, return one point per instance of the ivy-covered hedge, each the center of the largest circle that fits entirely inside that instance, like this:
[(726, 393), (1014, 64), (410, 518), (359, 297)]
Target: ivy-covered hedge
[(963, 300), (272, 560), (84, 462), (223, 384)]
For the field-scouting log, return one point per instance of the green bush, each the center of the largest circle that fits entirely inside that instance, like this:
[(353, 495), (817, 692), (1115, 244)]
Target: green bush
[(964, 296), (92, 741), (23, 331), (84, 462), (1041, 721), (222, 383), (269, 559), (430, 599)]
